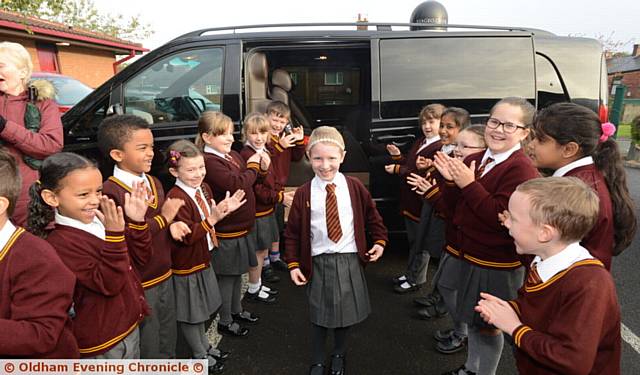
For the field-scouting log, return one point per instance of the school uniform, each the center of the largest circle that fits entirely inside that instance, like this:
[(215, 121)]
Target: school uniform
[(236, 250), (196, 287), (268, 193), (337, 289), (158, 332), (570, 317), (491, 263), (281, 159), (109, 302), (600, 241), (36, 291)]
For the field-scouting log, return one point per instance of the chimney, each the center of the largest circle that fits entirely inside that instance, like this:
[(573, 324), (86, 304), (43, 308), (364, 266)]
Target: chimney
[(636, 50), (362, 18)]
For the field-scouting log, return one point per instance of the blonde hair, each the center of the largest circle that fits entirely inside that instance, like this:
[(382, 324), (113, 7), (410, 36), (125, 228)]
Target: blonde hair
[(213, 123), (255, 122), (279, 109), (325, 134), (431, 111), (19, 56), (565, 203)]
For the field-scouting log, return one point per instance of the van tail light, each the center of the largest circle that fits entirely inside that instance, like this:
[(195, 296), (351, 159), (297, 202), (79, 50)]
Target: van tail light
[(603, 112)]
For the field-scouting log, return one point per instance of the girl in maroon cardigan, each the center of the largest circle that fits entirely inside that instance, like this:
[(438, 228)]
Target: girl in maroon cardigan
[(89, 237), (326, 246), (570, 140), (196, 289), (477, 191)]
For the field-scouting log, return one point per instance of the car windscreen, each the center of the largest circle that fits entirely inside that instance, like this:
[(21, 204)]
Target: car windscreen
[(68, 91)]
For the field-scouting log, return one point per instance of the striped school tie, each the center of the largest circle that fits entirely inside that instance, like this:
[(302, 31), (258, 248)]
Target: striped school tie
[(333, 219), (483, 166), (205, 209), (232, 161), (533, 278)]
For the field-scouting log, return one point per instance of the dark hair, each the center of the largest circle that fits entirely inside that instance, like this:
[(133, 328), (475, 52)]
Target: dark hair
[(53, 170), (569, 122), (278, 108), (460, 116), (431, 111), (116, 130), (528, 110), (10, 181), (181, 149)]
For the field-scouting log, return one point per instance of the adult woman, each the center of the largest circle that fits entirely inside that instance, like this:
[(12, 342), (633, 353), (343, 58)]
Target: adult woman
[(30, 126)]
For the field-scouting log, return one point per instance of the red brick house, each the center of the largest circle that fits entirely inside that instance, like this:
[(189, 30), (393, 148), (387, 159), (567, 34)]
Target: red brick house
[(626, 70), (88, 56)]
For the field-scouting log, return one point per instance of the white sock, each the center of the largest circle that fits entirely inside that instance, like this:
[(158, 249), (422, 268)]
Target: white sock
[(253, 288)]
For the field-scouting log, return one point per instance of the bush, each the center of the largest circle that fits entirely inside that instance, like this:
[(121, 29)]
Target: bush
[(635, 130)]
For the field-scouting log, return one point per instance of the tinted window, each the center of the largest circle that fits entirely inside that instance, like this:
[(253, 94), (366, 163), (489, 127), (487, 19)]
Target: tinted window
[(177, 88), (549, 87), (470, 72), (68, 91)]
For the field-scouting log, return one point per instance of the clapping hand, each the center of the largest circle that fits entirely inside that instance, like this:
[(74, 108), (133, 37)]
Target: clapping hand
[(498, 312), (287, 198), (111, 216), (390, 168), (170, 208), (135, 204), (265, 161), (179, 230), (393, 150), (423, 163), (455, 170), (420, 184), (288, 140)]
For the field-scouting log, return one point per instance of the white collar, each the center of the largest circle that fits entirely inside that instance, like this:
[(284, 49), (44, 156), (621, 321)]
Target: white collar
[(587, 160), (561, 261), (211, 150), (338, 180), (499, 158), (129, 178), (447, 148), (95, 228), (188, 189), (6, 232), (257, 150), (428, 141)]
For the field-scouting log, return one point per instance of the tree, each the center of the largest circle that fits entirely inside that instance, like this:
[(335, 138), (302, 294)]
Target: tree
[(81, 14), (610, 44)]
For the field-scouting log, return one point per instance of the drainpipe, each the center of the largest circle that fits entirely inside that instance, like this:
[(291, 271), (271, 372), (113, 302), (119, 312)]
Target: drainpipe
[(132, 54)]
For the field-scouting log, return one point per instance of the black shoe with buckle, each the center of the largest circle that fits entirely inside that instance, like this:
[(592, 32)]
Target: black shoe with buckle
[(245, 317), (453, 345), (260, 296), (338, 363), (399, 279), (269, 290), (406, 287), (217, 353), (279, 265), (316, 369), (233, 330), (213, 366), (443, 335), (432, 312), (268, 275), (428, 300)]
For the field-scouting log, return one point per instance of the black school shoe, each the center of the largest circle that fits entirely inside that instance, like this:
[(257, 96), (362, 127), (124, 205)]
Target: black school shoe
[(406, 287), (316, 369), (218, 354), (216, 368), (269, 290), (457, 371), (269, 276), (245, 317), (233, 330), (256, 297), (338, 364), (430, 299), (453, 345), (432, 312), (279, 265)]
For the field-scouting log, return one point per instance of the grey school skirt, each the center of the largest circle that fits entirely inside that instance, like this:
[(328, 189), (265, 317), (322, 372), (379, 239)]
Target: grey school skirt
[(473, 279), (338, 294), (197, 296), (234, 256), (266, 230)]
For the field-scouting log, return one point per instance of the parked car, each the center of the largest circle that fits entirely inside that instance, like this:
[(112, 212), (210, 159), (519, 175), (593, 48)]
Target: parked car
[(69, 91), (370, 83)]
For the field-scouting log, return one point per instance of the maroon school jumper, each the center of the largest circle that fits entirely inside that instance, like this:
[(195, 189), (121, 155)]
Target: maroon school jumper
[(21, 141), (570, 324), (192, 254), (109, 300), (281, 158), (600, 240), (268, 192), (410, 202), (297, 235), (482, 239), (222, 176), (36, 291), (153, 267)]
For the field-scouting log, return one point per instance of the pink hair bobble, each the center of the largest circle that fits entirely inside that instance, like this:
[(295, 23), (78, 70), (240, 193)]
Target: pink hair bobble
[(174, 156), (608, 129)]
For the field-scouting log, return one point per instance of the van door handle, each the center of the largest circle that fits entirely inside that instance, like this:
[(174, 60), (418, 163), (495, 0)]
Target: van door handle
[(398, 140)]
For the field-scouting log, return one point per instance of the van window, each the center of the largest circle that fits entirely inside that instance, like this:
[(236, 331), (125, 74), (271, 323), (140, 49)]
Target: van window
[(549, 86), (469, 72), (177, 88)]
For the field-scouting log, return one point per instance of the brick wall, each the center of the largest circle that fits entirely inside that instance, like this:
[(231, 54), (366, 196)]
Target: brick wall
[(632, 81)]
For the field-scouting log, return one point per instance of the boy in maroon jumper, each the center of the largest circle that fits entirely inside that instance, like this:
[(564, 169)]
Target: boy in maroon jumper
[(128, 141), (36, 288), (566, 318)]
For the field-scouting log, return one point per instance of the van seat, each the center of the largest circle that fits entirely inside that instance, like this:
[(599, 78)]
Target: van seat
[(257, 80)]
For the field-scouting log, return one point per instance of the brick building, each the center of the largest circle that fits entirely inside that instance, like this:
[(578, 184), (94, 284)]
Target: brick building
[(626, 70), (88, 56)]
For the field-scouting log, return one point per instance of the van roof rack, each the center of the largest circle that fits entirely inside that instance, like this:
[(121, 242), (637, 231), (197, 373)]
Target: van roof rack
[(380, 26)]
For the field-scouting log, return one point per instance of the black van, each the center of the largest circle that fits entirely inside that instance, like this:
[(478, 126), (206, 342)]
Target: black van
[(369, 80)]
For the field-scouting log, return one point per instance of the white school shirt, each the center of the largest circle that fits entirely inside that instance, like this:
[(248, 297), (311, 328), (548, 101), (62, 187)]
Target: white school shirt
[(447, 149), (95, 228), (191, 192), (560, 172), (129, 178), (6, 232), (210, 150), (427, 142), (561, 261), (257, 150), (320, 242), (497, 158)]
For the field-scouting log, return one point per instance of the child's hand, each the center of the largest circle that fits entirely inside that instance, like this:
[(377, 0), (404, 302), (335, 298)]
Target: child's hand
[(179, 230), (298, 132), (297, 277), (419, 183), (135, 204), (111, 216), (375, 253), (498, 312), (170, 208), (255, 158), (423, 163), (441, 162), (288, 140), (503, 217), (393, 150), (390, 168), (235, 201), (287, 199), (461, 174), (265, 161)]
